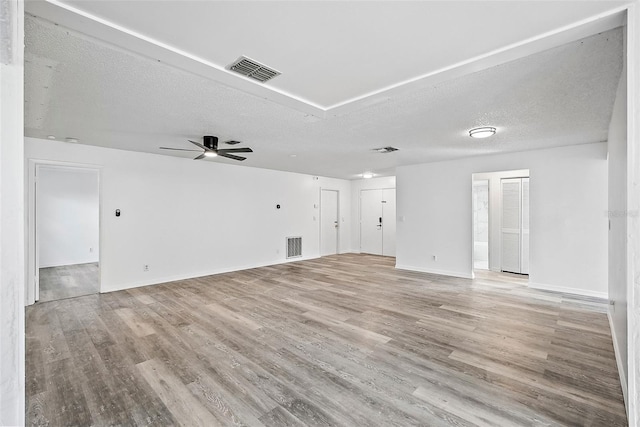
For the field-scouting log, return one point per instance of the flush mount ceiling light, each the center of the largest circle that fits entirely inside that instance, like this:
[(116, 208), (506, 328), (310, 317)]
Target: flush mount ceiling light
[(51, 137), (210, 154), (367, 175), (482, 132)]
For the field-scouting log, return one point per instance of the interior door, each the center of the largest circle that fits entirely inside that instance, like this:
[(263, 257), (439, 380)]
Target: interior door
[(524, 258), (511, 224), (329, 224), (515, 225), (371, 222), (389, 222)]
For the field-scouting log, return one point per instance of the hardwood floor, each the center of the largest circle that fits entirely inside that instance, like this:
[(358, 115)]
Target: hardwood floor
[(68, 281), (345, 340)]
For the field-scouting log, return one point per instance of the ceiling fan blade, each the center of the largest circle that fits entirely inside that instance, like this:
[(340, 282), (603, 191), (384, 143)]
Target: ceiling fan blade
[(231, 156), (201, 156), (198, 144), (176, 149), (235, 150)]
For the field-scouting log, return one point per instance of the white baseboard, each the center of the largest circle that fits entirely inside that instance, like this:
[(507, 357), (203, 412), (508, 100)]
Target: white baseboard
[(566, 290), (616, 350), (167, 279), (433, 271)]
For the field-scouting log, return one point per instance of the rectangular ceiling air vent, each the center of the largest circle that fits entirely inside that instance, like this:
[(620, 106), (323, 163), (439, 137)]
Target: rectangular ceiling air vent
[(253, 69), (385, 149)]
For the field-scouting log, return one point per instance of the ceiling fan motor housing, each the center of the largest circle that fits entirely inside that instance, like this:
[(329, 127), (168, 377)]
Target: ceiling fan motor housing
[(210, 141)]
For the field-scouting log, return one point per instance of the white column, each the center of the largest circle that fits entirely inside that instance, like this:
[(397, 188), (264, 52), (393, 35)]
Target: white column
[(633, 209), (12, 338)]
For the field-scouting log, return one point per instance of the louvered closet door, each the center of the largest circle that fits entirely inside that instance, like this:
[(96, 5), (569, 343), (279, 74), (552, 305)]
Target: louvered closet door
[(511, 225), (524, 258)]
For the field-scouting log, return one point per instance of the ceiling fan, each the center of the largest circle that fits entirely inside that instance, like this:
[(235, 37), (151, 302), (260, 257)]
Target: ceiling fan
[(210, 147)]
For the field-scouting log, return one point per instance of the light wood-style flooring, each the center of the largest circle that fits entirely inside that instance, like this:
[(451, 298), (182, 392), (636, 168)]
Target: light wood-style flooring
[(68, 281), (344, 340)]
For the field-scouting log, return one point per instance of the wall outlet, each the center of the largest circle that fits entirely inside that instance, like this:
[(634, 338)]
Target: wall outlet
[(145, 267)]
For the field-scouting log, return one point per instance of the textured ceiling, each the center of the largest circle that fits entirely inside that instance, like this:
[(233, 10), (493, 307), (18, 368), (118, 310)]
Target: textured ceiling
[(330, 53), (77, 86)]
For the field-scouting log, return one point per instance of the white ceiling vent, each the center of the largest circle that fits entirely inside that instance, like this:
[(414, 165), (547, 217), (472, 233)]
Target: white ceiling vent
[(253, 69)]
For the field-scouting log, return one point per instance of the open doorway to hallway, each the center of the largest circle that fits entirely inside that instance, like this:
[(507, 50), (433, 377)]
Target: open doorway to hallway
[(500, 229), (67, 201), (481, 224)]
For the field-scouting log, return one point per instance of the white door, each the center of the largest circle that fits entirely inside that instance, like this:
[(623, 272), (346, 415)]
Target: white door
[(389, 222), (378, 222), (524, 259), (371, 222), (329, 222), (515, 225)]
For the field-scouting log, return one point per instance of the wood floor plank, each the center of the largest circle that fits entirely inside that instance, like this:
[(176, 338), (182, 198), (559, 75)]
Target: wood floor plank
[(182, 404), (341, 340)]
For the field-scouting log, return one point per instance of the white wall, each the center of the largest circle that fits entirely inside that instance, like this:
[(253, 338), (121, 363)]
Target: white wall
[(633, 207), (68, 216), (187, 218), (12, 345), (617, 145), (495, 209), (568, 225), (357, 186)]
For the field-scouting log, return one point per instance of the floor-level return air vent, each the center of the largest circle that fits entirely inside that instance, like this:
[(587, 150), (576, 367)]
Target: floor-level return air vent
[(253, 69), (294, 247)]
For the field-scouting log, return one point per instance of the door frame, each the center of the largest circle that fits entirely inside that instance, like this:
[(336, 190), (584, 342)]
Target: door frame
[(32, 284), (337, 215)]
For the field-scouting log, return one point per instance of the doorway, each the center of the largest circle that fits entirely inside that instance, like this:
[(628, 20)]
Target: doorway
[(500, 221), (481, 224), (329, 223), (67, 236), (378, 222)]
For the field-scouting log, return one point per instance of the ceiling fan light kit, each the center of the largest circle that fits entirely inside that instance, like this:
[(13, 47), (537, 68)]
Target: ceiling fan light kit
[(210, 149)]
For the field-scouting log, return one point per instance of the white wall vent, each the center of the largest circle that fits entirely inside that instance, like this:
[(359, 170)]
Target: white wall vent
[(294, 247), (253, 69)]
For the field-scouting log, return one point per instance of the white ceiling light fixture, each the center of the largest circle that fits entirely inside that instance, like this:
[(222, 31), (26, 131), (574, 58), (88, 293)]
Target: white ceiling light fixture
[(71, 140), (51, 137), (210, 154), (482, 132), (367, 175)]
